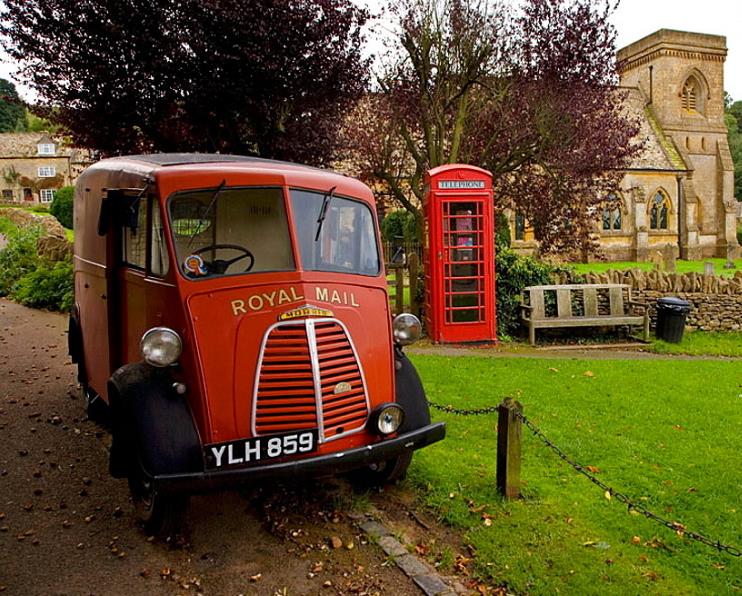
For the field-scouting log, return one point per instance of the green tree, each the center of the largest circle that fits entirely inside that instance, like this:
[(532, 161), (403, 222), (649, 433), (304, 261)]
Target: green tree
[(61, 206), (733, 119), (35, 123), (12, 110)]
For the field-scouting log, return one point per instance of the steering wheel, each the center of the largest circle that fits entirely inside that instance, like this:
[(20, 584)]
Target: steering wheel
[(221, 265)]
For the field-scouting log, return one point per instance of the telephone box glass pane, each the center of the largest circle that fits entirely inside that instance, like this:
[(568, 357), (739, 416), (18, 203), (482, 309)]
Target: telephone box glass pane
[(464, 251)]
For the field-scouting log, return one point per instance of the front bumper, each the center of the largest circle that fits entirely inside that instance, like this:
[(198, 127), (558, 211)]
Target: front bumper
[(332, 463)]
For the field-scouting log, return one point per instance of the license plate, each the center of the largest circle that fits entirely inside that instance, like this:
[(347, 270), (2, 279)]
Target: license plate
[(259, 449)]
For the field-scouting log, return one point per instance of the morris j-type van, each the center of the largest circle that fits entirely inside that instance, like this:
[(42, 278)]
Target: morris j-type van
[(231, 316)]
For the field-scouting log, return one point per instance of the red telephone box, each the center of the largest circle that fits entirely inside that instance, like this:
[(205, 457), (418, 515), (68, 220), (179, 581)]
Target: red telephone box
[(459, 254)]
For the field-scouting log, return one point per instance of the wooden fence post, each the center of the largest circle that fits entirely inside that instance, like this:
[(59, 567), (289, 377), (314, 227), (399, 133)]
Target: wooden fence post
[(509, 434), (399, 297), (412, 265)]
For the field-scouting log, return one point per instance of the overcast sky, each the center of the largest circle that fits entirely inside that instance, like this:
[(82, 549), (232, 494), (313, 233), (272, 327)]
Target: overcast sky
[(636, 18)]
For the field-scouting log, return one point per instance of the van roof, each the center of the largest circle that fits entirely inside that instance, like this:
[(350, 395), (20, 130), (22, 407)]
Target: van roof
[(180, 159)]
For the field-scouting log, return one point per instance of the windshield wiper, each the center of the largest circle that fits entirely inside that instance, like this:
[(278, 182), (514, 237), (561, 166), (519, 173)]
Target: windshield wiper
[(197, 231), (323, 211)]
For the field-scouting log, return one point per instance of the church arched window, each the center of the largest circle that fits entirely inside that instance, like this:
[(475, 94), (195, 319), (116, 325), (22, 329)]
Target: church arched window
[(691, 96), (612, 214), (659, 211)]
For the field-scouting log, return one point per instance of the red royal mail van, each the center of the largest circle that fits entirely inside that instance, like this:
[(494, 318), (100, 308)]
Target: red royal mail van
[(231, 317)]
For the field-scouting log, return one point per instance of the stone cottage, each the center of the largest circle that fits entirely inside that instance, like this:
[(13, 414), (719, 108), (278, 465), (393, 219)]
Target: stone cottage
[(33, 165)]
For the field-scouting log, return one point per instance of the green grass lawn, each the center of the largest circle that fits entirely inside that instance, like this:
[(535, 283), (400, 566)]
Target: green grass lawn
[(712, 343), (680, 266), (666, 433)]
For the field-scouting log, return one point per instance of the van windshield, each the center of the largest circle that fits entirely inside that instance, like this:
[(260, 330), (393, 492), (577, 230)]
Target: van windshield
[(228, 231), (334, 233)]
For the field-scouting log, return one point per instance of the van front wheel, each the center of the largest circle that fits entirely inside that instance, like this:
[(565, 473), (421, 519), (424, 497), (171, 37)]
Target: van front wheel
[(159, 514), (383, 472)]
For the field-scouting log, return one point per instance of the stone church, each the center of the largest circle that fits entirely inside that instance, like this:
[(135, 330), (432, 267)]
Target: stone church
[(678, 194)]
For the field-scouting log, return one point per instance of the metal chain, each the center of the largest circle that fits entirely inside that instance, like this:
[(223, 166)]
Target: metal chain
[(463, 412), (676, 527)]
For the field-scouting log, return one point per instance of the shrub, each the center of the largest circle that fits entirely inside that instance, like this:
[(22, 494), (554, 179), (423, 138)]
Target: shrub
[(739, 233), (399, 224), (61, 206), (19, 257), (502, 231), (513, 273), (50, 286)]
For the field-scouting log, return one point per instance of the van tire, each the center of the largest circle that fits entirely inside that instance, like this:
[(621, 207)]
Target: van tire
[(160, 515), (384, 472), (96, 409)]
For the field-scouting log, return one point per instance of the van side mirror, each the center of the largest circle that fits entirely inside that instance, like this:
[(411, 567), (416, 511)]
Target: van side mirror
[(119, 208)]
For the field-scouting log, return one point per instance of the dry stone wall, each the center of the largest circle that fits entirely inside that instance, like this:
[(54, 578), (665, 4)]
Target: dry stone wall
[(53, 244), (716, 302)]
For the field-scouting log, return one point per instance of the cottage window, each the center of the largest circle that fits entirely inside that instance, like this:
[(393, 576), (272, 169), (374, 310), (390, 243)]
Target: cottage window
[(47, 171), (46, 195), (659, 211), (8, 194), (46, 148)]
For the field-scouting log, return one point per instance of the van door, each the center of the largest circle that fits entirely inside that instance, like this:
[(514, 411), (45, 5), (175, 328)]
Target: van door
[(142, 293)]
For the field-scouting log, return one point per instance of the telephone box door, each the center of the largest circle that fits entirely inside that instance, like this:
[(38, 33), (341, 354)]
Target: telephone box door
[(460, 265)]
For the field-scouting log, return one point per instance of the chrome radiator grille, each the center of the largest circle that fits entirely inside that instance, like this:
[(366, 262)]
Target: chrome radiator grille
[(309, 376)]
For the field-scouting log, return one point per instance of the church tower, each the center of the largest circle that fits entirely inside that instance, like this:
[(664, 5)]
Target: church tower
[(681, 75)]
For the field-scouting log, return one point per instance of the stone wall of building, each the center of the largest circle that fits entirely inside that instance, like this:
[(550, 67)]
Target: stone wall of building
[(716, 301)]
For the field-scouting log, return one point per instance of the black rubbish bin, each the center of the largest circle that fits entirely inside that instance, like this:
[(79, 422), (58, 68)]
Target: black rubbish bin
[(671, 313)]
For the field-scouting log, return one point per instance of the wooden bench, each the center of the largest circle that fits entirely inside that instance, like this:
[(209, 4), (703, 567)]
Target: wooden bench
[(619, 311)]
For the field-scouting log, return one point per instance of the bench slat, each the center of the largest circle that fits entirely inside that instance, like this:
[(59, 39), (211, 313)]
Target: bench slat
[(615, 296), (583, 322), (537, 301), (564, 303), (590, 298)]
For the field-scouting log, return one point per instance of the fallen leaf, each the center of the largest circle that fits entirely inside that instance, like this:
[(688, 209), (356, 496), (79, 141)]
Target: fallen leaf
[(336, 542), (593, 469), (255, 578), (636, 540), (552, 369), (608, 495), (588, 373)]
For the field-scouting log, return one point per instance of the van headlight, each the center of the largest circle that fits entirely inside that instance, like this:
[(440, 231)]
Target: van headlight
[(160, 346), (406, 328), (387, 419)]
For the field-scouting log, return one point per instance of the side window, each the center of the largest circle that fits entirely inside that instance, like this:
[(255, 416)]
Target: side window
[(159, 263), (134, 235)]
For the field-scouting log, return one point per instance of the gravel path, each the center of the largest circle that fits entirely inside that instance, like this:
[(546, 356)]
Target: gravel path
[(66, 526)]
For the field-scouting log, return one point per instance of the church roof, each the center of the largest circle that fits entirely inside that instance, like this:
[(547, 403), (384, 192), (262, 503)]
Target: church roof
[(659, 152)]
